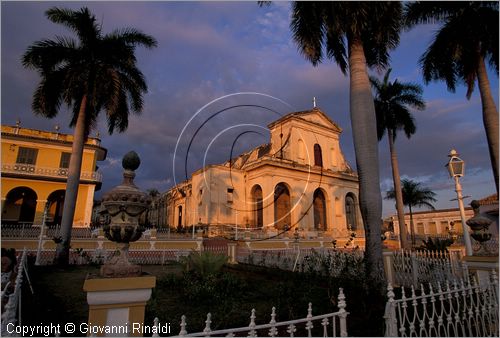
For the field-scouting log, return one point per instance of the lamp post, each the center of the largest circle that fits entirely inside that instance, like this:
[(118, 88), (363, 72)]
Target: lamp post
[(40, 238), (456, 168)]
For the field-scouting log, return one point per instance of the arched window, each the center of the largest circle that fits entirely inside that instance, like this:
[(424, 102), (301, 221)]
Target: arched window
[(20, 206), (55, 207), (258, 214), (179, 221), (282, 209), (318, 157), (350, 211), (319, 206)]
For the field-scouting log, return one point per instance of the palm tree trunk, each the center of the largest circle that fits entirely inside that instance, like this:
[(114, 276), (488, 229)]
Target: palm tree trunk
[(490, 116), (412, 227), (397, 191), (74, 170), (364, 131)]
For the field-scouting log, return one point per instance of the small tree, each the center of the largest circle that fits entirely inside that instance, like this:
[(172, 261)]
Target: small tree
[(392, 103), (414, 195)]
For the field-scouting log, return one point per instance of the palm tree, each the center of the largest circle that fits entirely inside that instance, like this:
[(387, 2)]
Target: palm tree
[(88, 74), (466, 41), (356, 35), (392, 100), (414, 195)]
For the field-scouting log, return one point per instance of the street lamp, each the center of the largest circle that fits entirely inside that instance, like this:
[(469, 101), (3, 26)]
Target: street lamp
[(456, 168)]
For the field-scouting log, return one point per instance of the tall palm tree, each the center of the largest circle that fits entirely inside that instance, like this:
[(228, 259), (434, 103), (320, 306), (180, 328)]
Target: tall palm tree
[(88, 74), (414, 195), (392, 103), (465, 43), (356, 35)]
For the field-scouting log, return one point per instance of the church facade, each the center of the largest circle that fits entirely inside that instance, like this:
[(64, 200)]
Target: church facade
[(299, 180)]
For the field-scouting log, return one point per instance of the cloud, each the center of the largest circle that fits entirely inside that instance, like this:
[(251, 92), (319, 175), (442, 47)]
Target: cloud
[(210, 49)]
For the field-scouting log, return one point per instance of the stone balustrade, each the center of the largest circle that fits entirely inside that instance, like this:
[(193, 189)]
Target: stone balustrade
[(33, 170)]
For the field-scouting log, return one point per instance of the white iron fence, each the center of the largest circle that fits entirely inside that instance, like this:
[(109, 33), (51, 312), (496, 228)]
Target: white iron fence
[(407, 268), (324, 261), (11, 315), (328, 325), (465, 309), (100, 256)]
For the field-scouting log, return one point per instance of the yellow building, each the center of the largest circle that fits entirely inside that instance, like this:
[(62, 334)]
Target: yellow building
[(34, 172)]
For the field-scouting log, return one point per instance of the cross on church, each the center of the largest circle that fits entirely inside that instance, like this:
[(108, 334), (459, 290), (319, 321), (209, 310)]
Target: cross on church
[(314, 101)]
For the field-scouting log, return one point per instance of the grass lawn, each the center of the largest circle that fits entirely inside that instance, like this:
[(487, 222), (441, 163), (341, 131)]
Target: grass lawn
[(59, 298)]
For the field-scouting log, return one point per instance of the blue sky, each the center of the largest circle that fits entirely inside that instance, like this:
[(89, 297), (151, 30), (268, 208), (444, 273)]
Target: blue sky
[(210, 49)]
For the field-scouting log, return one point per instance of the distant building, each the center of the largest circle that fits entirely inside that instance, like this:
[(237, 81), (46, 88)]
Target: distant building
[(437, 222), (433, 222), (34, 172), (300, 178)]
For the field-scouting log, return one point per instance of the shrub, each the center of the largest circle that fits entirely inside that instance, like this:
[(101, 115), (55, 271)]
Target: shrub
[(435, 245), (203, 263)]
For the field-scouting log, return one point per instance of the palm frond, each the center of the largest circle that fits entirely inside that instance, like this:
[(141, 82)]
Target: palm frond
[(132, 36), (392, 103), (82, 22), (308, 31)]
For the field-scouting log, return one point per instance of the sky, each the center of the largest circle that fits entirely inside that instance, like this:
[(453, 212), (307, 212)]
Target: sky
[(215, 55)]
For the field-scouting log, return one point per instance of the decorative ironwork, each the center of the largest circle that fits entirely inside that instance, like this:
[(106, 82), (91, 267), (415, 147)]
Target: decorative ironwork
[(417, 267), (10, 315), (464, 309), (273, 328)]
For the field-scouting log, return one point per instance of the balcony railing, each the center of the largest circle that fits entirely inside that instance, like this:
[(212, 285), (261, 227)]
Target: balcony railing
[(33, 170)]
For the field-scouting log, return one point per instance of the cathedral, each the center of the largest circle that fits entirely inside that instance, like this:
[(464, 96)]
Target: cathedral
[(299, 182)]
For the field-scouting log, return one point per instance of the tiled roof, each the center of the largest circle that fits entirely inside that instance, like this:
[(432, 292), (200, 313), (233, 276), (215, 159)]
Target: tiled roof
[(248, 157), (489, 200)]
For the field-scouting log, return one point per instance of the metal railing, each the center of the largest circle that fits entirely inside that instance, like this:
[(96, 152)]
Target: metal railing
[(465, 309), (11, 316), (28, 230), (329, 262), (33, 170), (416, 267), (100, 256), (327, 325)]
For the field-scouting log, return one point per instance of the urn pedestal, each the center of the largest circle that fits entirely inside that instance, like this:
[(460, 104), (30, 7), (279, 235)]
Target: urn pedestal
[(117, 298), (117, 305), (483, 261)]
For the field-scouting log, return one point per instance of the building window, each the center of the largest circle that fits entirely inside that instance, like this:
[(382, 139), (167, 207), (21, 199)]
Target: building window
[(350, 212), (179, 219), (319, 207), (64, 163), (27, 155), (258, 214), (230, 195), (318, 157), (282, 210), (200, 197)]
